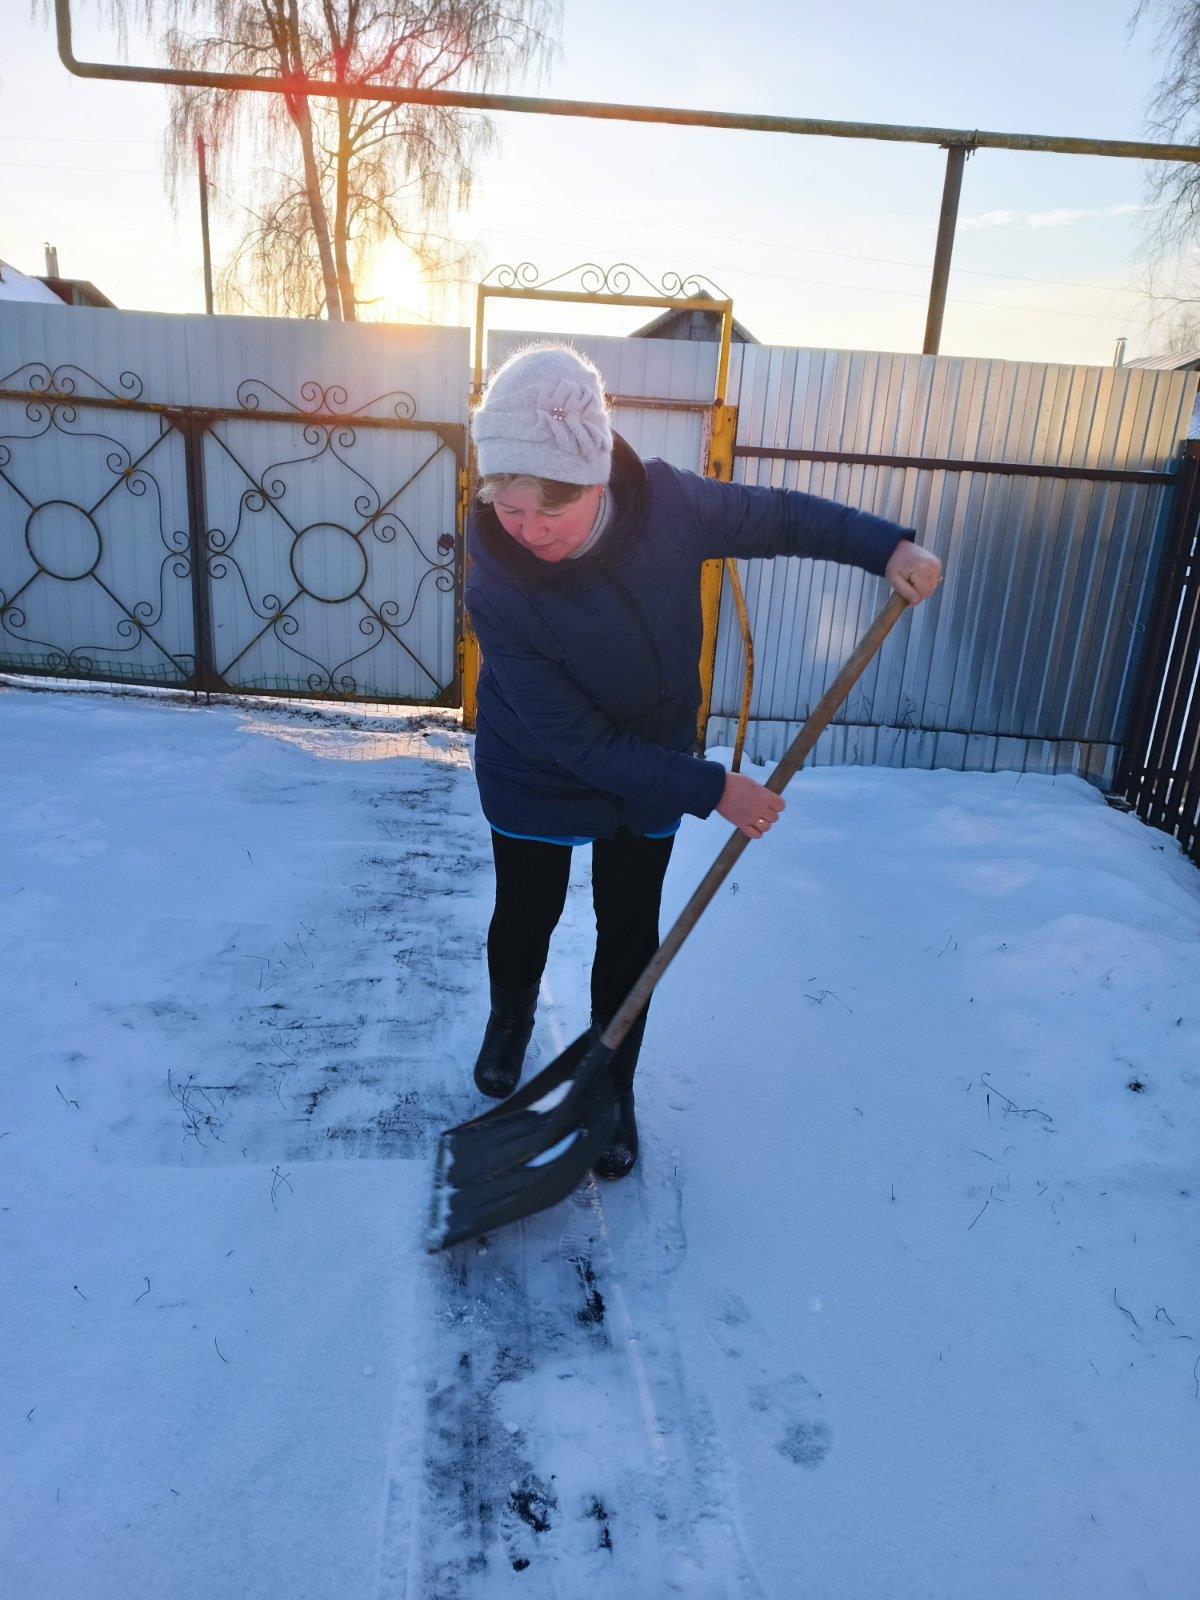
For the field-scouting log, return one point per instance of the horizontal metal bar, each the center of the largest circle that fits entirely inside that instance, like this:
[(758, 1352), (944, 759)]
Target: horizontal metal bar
[(56, 397), (319, 419), (326, 89), (1012, 469), (651, 403), (586, 298), (926, 729), (51, 684)]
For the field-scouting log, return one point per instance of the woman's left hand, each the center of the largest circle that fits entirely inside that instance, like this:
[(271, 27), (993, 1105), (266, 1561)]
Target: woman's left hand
[(913, 571)]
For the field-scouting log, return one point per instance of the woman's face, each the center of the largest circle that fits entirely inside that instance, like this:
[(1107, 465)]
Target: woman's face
[(551, 533)]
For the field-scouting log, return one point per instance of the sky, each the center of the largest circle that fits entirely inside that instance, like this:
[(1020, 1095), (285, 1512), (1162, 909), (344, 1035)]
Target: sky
[(820, 242)]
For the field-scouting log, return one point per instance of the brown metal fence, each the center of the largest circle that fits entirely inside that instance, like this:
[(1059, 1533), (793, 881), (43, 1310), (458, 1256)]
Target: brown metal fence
[(1160, 772)]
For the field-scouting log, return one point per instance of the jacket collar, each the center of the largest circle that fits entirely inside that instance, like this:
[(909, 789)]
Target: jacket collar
[(498, 555)]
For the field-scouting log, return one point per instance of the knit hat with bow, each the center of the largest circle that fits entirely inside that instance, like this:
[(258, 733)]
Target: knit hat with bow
[(544, 415)]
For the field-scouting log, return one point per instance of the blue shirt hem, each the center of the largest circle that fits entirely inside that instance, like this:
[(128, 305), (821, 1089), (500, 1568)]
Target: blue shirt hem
[(541, 838)]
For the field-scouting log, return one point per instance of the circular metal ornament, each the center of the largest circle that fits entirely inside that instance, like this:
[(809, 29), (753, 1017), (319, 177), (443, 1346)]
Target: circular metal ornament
[(63, 540), (328, 562)]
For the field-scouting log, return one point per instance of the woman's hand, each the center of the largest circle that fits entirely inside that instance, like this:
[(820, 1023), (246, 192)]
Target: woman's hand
[(750, 806), (913, 571)]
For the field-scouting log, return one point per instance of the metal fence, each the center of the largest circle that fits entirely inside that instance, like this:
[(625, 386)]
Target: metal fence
[(195, 528), (310, 475), (1160, 771), (1046, 489)]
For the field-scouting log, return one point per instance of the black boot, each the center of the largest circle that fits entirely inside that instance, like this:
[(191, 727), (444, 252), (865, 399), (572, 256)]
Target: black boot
[(618, 1158), (498, 1068)]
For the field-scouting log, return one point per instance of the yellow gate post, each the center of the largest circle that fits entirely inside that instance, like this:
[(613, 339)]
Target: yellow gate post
[(718, 463), (468, 644)]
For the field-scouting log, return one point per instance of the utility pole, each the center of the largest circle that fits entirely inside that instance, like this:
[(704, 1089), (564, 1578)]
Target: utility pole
[(956, 155), (200, 156)]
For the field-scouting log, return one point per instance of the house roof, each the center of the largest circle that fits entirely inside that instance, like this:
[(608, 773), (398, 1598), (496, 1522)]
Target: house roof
[(16, 285), (672, 312), (1176, 363), (78, 292)]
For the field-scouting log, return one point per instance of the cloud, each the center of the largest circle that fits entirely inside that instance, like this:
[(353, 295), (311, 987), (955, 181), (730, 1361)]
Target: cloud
[(1062, 217)]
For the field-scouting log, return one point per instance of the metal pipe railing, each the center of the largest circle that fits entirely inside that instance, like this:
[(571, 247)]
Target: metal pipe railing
[(958, 142), (328, 89)]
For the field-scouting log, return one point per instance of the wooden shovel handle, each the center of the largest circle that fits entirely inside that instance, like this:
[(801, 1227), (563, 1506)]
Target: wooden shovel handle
[(787, 768)]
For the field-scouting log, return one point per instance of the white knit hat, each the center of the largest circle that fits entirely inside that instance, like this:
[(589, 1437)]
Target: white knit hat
[(544, 414)]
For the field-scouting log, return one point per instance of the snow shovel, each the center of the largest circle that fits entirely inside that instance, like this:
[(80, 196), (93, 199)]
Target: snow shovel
[(531, 1150)]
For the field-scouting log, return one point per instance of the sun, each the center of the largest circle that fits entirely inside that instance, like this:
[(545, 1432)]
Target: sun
[(391, 289)]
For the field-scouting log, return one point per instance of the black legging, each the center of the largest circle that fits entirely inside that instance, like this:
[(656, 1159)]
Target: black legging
[(531, 890)]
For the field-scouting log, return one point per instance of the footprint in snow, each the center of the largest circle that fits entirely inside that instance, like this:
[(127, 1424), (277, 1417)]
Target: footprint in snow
[(791, 1410)]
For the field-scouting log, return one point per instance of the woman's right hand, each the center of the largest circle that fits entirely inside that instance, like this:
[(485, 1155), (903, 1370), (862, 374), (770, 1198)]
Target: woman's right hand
[(750, 806)]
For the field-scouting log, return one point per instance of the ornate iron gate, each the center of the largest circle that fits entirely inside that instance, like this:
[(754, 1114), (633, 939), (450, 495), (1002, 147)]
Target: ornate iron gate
[(275, 546)]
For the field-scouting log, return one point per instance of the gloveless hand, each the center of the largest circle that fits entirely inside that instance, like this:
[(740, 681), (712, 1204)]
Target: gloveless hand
[(913, 571), (750, 806)]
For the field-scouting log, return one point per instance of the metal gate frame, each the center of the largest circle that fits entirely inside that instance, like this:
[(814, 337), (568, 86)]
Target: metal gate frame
[(53, 396), (674, 293), (1159, 776)]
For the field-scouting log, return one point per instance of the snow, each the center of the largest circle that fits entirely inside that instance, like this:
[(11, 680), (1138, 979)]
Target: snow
[(901, 1299), (550, 1102), (16, 285), (555, 1150)]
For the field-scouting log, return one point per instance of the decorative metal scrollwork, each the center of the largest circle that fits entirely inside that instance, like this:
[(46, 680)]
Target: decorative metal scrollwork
[(62, 382), (619, 279), (69, 541), (347, 543), (328, 559), (323, 400)]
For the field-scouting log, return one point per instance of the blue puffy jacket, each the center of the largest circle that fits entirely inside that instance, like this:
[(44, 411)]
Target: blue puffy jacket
[(590, 685)]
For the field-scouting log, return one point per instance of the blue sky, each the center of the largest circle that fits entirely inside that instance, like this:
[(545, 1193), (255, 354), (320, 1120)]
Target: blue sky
[(819, 241)]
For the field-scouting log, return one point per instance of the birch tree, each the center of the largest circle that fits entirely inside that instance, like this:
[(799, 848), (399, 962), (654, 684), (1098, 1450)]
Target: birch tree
[(311, 186)]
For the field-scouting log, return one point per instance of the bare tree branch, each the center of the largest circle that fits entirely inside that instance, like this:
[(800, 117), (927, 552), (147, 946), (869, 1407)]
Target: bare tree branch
[(335, 179), (1170, 243)]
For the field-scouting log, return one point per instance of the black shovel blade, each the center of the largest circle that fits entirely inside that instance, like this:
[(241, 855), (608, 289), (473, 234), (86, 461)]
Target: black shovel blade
[(527, 1153), (532, 1120)]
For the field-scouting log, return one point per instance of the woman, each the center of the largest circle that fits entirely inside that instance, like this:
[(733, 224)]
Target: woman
[(585, 596)]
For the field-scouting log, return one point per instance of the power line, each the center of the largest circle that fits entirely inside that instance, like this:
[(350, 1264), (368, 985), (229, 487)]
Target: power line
[(590, 216), (95, 172), (152, 238), (63, 138), (843, 255), (825, 283)]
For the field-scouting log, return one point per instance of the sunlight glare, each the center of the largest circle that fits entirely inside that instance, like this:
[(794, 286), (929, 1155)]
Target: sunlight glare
[(391, 287)]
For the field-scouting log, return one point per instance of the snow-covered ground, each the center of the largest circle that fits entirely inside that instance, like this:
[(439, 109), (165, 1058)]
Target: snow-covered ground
[(901, 1304)]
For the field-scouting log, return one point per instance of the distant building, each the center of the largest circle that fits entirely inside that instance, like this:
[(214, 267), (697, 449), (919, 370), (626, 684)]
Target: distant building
[(50, 289), (77, 292), (15, 285), (71, 291), (1190, 362), (700, 327)]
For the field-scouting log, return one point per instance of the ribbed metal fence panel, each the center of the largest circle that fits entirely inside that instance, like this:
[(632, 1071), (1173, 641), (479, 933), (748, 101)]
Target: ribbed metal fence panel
[(322, 535), (332, 582), (659, 371), (1026, 656), (94, 565)]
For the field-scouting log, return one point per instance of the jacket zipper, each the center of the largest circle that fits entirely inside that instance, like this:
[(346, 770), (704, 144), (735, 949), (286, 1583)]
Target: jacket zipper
[(630, 605)]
